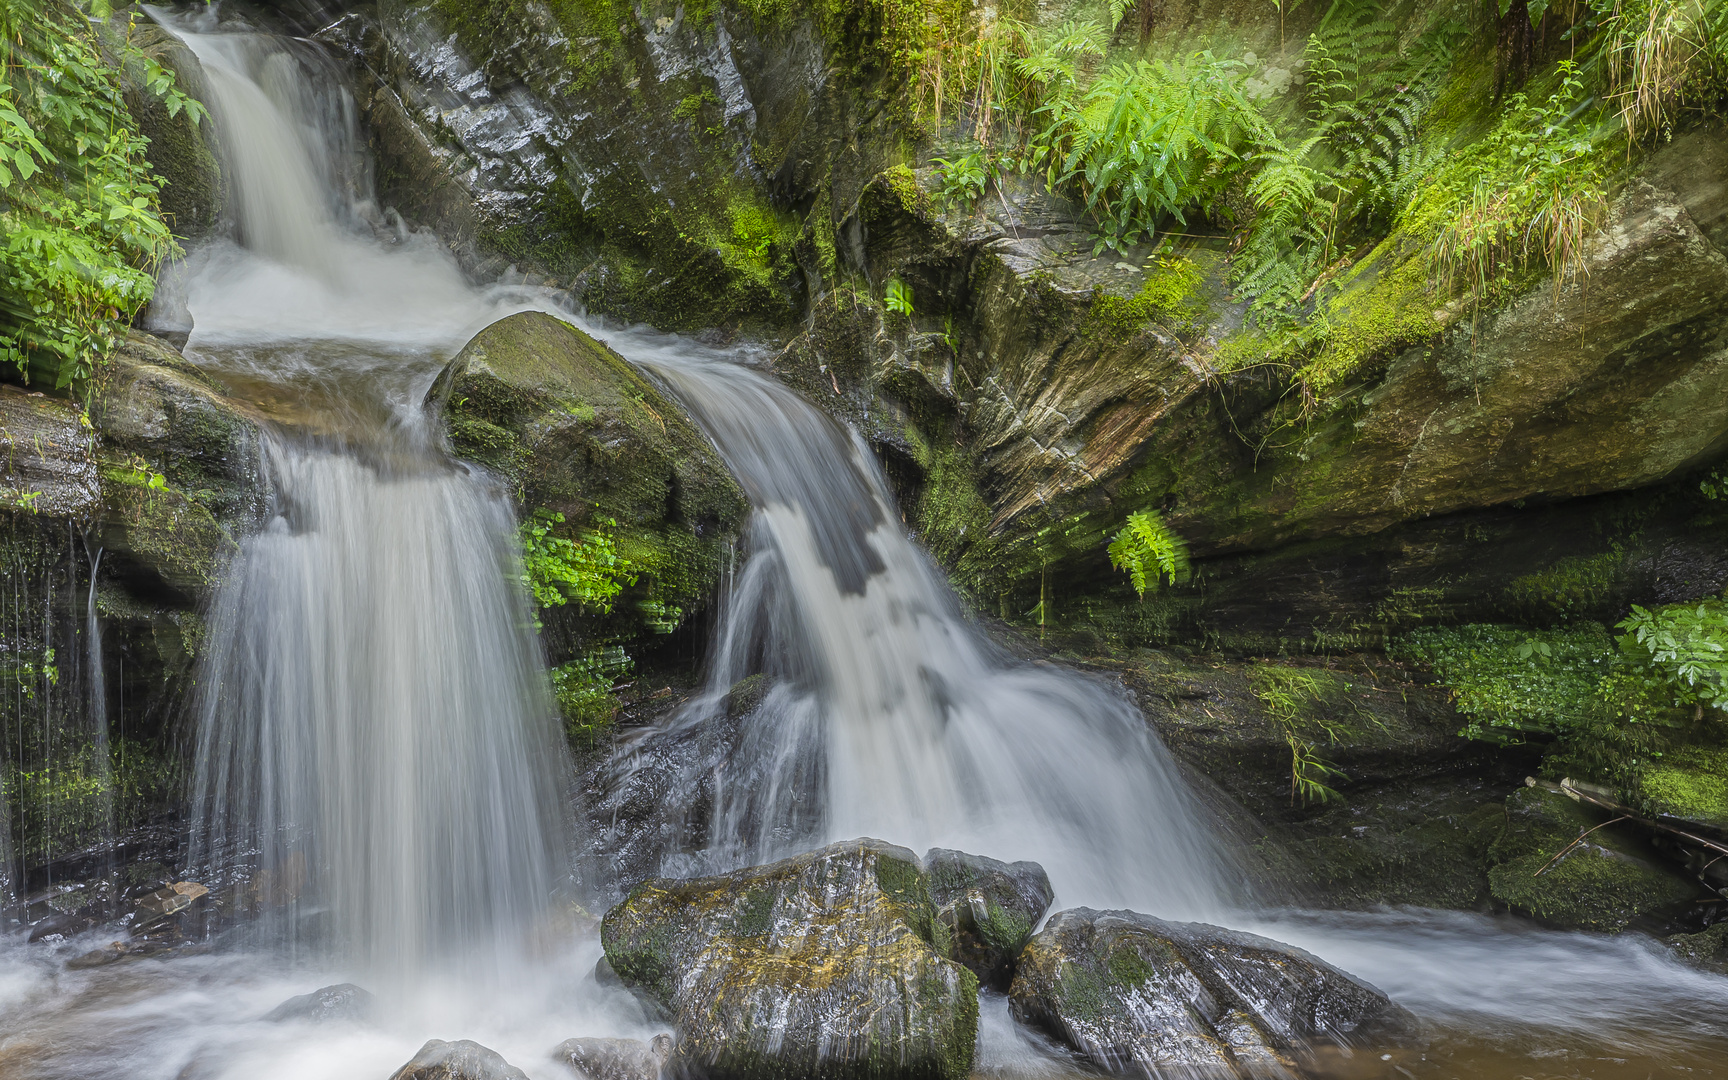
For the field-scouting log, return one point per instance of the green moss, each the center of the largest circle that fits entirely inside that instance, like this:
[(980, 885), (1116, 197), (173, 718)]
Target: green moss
[(1004, 929), (1129, 967), (1595, 886), (755, 913), (1572, 586), (1380, 311), (903, 182), (1690, 783), (1172, 295)]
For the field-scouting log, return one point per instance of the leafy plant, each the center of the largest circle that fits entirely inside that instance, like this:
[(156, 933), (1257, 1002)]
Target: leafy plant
[(1305, 707), (82, 228), (1150, 552), (1511, 683), (557, 570), (1152, 140), (965, 178), (898, 298), (1684, 644)]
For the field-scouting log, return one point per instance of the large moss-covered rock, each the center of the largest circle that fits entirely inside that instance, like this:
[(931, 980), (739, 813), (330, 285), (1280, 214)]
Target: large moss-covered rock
[(1605, 882), (582, 433), (1040, 394), (989, 909), (828, 964), (1139, 996)]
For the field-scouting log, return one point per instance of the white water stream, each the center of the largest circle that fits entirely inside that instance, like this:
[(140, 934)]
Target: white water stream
[(376, 742)]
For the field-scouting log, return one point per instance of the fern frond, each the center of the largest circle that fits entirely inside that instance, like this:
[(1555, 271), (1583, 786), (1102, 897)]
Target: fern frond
[(1150, 552)]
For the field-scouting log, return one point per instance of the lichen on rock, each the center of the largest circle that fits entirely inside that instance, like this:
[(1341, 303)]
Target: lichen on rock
[(825, 964)]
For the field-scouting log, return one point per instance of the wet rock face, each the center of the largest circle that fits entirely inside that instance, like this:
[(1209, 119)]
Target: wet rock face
[(180, 150), (1135, 995), (583, 434), (828, 963), (461, 1060), (989, 909)]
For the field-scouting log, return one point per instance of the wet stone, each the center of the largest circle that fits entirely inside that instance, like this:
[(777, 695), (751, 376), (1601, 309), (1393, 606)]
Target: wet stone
[(343, 1001), (989, 908), (171, 899), (1139, 996), (460, 1060), (822, 965), (615, 1059), (60, 926)]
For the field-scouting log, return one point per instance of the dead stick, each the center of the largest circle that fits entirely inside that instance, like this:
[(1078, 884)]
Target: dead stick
[(1574, 844)]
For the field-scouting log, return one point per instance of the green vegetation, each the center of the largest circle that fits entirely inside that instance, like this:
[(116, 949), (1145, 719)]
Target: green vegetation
[(82, 224), (67, 803), (1149, 551), (1170, 295), (1306, 705), (557, 570), (1623, 710), (898, 298), (1683, 645)]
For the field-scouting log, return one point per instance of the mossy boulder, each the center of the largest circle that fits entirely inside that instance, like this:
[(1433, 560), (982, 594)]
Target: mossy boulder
[(828, 964), (989, 909), (581, 433), (1606, 882), (1135, 995), (1707, 949)]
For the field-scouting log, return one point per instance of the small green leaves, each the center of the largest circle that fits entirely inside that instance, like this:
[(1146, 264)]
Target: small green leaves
[(898, 298), (1149, 551)]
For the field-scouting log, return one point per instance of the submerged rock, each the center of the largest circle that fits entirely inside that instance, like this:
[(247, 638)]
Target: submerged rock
[(584, 435), (989, 909), (343, 1001), (1140, 996), (615, 1059), (460, 1060), (825, 964)]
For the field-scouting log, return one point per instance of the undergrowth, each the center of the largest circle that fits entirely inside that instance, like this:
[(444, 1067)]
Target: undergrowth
[(82, 227)]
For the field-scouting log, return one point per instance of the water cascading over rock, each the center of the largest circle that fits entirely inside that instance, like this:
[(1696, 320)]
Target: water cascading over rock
[(378, 763)]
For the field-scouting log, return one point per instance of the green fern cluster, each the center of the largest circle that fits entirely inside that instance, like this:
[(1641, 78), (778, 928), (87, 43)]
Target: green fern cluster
[(1150, 552)]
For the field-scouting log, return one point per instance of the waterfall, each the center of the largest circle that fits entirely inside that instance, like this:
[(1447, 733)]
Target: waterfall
[(893, 715), (379, 766)]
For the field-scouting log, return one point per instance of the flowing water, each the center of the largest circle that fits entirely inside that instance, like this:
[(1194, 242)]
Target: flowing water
[(378, 760)]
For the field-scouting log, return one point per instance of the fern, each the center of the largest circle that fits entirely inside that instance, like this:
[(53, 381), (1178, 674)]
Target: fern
[(1152, 140), (1149, 551)]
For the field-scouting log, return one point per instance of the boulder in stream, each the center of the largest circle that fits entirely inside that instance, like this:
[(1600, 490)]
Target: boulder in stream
[(615, 1059), (1136, 995), (463, 1059), (343, 1001), (827, 964), (581, 433), (989, 909)]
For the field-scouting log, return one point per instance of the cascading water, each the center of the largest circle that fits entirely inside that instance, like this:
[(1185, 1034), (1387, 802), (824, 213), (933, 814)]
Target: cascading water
[(894, 717), (376, 747)]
